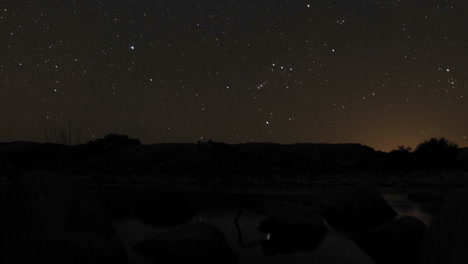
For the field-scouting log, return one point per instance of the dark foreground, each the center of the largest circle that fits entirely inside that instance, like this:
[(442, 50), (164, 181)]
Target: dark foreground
[(53, 219)]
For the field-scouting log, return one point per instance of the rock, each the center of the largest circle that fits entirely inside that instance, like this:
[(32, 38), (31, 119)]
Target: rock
[(397, 241), (425, 196), (357, 209), (287, 238), (447, 238), (165, 209), (292, 227), (191, 243), (291, 213), (52, 220)]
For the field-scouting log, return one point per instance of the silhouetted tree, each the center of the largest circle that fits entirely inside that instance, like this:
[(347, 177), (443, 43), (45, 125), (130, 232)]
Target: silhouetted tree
[(436, 153), (402, 149), (400, 158)]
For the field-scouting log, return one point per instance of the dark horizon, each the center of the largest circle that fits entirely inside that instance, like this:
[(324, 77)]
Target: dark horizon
[(206, 141), (396, 147)]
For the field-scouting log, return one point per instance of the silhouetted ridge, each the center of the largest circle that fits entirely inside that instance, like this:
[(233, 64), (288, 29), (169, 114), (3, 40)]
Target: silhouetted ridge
[(123, 159)]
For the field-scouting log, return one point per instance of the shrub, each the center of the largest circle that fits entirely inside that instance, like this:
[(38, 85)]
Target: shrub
[(436, 153)]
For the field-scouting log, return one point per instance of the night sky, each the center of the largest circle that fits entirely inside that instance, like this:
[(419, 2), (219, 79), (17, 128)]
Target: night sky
[(380, 73)]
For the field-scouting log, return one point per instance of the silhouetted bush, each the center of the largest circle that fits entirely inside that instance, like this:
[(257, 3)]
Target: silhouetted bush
[(436, 153), (112, 142), (116, 139), (400, 159)]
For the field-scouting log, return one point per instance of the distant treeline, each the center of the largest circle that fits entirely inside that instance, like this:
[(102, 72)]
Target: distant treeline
[(122, 157)]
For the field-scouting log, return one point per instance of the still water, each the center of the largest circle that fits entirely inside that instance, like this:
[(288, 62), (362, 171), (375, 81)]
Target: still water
[(245, 239)]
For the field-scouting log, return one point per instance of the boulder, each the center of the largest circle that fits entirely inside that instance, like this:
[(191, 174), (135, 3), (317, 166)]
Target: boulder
[(425, 196), (291, 213), (397, 241), (358, 208), (285, 238), (190, 243), (49, 219), (291, 227), (447, 238)]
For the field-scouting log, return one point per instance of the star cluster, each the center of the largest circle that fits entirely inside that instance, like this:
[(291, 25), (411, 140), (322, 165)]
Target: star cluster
[(381, 73)]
